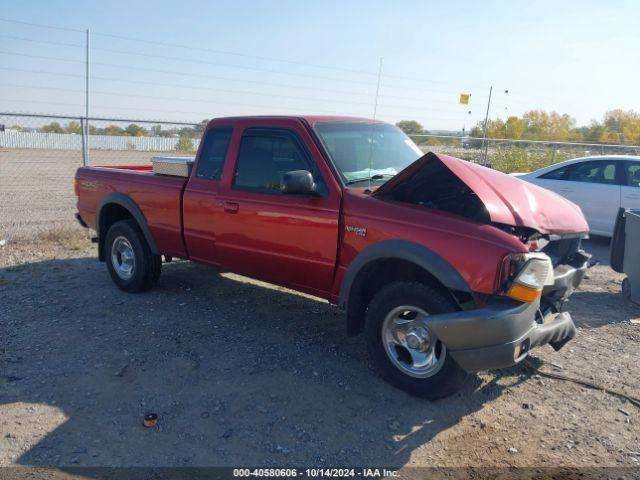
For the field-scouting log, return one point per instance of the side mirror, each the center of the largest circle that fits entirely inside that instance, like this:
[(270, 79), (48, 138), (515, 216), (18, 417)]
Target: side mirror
[(298, 182)]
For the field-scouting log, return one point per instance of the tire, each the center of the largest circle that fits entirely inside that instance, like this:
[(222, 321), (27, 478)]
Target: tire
[(131, 264), (441, 375)]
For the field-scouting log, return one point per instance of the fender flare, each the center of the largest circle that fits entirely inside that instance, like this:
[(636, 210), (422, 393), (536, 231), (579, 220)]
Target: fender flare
[(402, 250), (128, 204)]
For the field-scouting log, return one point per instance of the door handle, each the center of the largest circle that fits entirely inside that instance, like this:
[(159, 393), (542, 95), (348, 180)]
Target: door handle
[(565, 190), (632, 196), (231, 207)]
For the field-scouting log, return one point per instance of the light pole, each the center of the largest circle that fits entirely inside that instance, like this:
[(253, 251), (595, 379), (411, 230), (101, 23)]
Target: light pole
[(483, 152)]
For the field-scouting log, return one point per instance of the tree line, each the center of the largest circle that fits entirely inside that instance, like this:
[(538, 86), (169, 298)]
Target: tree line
[(617, 127), (131, 130)]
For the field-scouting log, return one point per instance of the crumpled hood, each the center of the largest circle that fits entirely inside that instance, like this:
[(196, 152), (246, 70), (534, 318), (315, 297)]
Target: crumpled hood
[(507, 199)]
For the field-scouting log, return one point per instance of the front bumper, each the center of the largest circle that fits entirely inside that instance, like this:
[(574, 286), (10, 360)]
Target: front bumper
[(502, 333), (557, 330)]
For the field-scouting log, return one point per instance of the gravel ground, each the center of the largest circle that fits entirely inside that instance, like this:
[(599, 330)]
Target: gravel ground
[(241, 372)]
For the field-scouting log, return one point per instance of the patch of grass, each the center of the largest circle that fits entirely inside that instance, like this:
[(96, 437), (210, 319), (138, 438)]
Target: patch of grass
[(516, 159), (70, 238)]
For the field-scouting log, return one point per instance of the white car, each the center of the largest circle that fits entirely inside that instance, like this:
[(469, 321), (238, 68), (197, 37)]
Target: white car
[(598, 185)]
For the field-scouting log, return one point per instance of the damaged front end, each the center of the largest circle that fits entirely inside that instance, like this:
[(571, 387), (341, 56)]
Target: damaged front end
[(532, 287), (543, 221)]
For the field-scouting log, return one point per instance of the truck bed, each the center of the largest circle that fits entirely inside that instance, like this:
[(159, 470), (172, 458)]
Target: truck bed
[(159, 197)]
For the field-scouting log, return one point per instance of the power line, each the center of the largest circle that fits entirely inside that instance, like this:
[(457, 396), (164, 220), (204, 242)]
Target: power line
[(45, 42), (155, 70), (218, 77), (244, 92), (41, 57), (217, 64), (257, 69), (16, 100), (40, 25), (140, 82), (236, 54), (44, 72), (224, 52), (228, 65), (204, 62), (199, 100), (39, 87), (191, 47)]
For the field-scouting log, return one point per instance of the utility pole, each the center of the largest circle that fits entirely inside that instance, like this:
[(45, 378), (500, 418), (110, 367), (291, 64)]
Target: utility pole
[(85, 156), (483, 153), (375, 103), (375, 111)]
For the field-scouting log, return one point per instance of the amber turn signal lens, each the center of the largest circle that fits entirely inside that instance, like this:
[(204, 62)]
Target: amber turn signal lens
[(523, 294)]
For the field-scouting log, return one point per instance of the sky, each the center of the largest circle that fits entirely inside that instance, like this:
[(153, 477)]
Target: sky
[(192, 60)]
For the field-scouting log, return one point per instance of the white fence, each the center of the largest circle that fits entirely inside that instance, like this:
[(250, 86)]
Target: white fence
[(71, 141)]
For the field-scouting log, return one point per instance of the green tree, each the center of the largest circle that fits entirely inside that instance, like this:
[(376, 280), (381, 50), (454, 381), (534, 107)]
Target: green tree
[(134, 130), (185, 144), (411, 127), (53, 127), (621, 125), (201, 126), (514, 128), (73, 127), (156, 130), (114, 130), (188, 132)]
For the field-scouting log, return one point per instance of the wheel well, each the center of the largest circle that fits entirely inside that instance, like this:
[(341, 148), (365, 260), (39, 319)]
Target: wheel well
[(109, 214), (378, 273)]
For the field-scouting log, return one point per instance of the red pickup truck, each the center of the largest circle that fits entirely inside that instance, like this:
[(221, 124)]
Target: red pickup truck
[(446, 266)]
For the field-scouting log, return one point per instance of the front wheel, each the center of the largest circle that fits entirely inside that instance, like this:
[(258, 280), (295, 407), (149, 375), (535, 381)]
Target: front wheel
[(406, 351), (131, 263)]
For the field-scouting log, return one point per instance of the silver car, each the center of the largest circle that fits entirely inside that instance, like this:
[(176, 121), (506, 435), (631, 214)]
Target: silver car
[(599, 185)]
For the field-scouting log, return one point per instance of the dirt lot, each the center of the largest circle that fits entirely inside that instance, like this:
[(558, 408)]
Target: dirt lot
[(240, 372)]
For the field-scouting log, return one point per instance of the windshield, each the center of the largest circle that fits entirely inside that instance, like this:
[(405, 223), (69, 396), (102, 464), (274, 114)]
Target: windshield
[(363, 151)]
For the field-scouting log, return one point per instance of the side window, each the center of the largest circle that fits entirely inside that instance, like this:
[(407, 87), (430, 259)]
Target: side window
[(213, 152), (633, 174), (593, 172), (557, 174), (264, 157)]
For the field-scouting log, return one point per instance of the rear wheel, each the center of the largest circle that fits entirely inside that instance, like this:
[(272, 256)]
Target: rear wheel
[(131, 264), (406, 351)]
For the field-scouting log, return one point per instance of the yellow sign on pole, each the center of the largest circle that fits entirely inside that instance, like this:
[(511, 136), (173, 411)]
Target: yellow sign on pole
[(464, 98)]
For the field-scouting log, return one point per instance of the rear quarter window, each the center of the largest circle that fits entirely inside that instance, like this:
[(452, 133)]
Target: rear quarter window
[(213, 153), (557, 174)]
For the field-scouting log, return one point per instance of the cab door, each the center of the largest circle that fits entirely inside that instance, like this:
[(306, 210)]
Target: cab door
[(200, 202), (288, 239)]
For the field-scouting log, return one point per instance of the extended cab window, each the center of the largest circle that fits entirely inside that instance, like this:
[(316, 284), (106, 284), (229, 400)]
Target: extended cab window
[(213, 152), (593, 172), (265, 156)]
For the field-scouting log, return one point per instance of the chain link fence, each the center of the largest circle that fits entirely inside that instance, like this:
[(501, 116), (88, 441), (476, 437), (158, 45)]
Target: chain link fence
[(39, 155), (510, 156)]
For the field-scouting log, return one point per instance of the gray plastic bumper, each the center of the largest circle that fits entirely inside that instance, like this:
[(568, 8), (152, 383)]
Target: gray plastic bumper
[(499, 335)]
